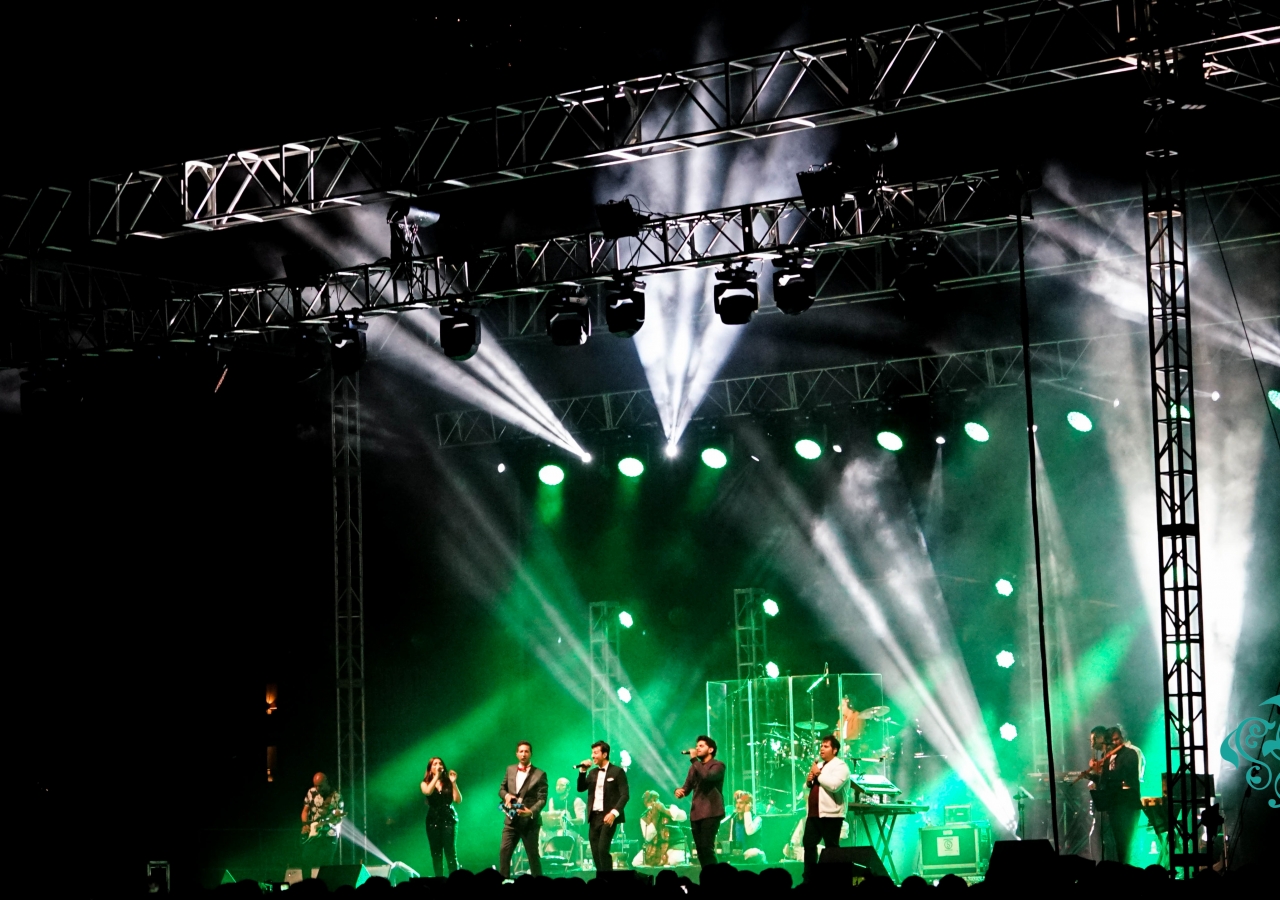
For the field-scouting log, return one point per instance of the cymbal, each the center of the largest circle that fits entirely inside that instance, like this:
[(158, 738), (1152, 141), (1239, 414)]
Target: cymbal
[(773, 724), (874, 712), (812, 726)]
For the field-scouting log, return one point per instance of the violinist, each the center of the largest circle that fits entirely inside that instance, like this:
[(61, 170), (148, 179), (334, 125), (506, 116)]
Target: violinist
[(1117, 793)]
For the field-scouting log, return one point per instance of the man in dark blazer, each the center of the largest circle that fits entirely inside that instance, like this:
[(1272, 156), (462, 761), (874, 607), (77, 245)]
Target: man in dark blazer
[(526, 785), (607, 795), (704, 782)]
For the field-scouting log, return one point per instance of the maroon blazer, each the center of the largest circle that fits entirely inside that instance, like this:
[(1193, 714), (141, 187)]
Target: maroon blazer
[(703, 784)]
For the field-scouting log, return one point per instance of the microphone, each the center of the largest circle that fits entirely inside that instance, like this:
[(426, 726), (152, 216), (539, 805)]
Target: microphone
[(686, 752)]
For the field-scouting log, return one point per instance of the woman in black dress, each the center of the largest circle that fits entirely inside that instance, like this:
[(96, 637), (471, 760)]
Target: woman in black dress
[(440, 785)]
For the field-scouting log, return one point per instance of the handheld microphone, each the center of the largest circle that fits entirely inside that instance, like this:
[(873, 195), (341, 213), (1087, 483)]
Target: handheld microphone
[(686, 752)]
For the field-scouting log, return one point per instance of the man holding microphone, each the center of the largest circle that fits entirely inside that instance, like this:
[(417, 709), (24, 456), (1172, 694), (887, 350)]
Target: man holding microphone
[(704, 781), (828, 785)]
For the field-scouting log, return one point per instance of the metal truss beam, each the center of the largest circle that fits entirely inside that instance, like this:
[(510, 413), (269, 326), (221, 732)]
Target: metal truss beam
[(606, 668), (63, 308), (807, 389), (1188, 788), (1019, 46), (348, 597)]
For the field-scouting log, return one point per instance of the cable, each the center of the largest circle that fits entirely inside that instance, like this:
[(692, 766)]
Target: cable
[(1256, 371)]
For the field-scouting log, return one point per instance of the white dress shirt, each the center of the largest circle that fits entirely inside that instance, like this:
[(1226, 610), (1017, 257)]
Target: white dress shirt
[(521, 776)]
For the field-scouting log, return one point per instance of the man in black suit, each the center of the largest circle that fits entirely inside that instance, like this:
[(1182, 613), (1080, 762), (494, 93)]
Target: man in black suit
[(524, 789), (1120, 790), (607, 795)]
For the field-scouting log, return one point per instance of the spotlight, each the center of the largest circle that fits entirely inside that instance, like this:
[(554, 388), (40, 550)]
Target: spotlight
[(821, 187), (631, 467), (585, 457), (889, 441), (915, 280), (1215, 396), (1079, 421), (618, 220), (551, 474), (736, 295), (459, 333), (793, 283), (977, 432), (624, 306), (770, 606), (568, 317), (625, 696), (502, 467), (1178, 411), (1008, 731), (406, 219), (714, 458), (1274, 396), (771, 669), (625, 620), (837, 448), (671, 451), (939, 440), (1004, 659), (1004, 587), (624, 757), (808, 448), (347, 342)]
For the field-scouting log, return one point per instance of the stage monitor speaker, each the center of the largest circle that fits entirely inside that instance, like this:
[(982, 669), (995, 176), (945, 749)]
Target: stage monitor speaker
[(1021, 860), (334, 877), (862, 857)]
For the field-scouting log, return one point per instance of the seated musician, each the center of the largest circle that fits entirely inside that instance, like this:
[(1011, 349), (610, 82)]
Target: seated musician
[(658, 835), (744, 828), (564, 814)]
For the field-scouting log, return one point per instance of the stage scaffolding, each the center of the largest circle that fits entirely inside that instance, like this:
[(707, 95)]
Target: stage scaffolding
[(764, 729), (606, 668)]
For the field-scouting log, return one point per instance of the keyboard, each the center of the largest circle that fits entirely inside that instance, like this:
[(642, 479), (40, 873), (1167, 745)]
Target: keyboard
[(888, 809)]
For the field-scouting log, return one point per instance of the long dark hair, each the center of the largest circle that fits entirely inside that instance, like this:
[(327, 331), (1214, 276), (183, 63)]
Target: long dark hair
[(444, 768)]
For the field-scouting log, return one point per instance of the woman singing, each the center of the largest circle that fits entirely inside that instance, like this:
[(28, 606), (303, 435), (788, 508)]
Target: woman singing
[(440, 785)]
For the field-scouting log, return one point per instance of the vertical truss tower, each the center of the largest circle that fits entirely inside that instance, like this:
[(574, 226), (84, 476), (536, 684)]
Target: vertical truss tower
[(348, 596), (1188, 789), (752, 648), (606, 668)]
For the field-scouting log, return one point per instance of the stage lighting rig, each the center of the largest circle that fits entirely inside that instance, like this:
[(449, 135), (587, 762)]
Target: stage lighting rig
[(347, 344), (793, 282), (821, 187), (459, 333), (406, 219), (624, 305), (618, 220), (736, 294), (568, 317), (915, 280)]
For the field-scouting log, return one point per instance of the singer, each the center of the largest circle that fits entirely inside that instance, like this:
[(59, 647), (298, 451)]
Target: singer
[(606, 787), (524, 792), (828, 802), (704, 781)]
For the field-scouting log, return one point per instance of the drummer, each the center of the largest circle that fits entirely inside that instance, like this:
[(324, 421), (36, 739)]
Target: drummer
[(562, 814), (850, 724)]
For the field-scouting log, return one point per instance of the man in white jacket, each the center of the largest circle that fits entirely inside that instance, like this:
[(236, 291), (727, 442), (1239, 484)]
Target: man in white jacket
[(828, 801)]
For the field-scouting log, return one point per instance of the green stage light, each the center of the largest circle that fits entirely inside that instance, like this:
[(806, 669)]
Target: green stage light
[(977, 432), (625, 620), (714, 458), (1274, 397), (808, 449), (889, 441), (1178, 411), (1008, 731), (1004, 587), (1004, 659), (625, 759), (631, 467), (624, 695), (770, 606), (1079, 421), (771, 669), (551, 474)]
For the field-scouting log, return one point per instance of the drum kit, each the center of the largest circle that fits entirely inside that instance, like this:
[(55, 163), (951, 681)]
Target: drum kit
[(783, 746)]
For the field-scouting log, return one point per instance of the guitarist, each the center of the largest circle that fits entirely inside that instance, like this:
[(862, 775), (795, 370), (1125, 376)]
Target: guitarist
[(322, 814), (524, 794)]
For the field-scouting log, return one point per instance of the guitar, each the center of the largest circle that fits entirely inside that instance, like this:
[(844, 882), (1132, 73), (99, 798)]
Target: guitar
[(321, 826)]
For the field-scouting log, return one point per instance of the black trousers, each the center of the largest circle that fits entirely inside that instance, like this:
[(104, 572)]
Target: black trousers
[(520, 829), (317, 852), (600, 837), (704, 839), (1118, 825), (442, 835), (819, 830)]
